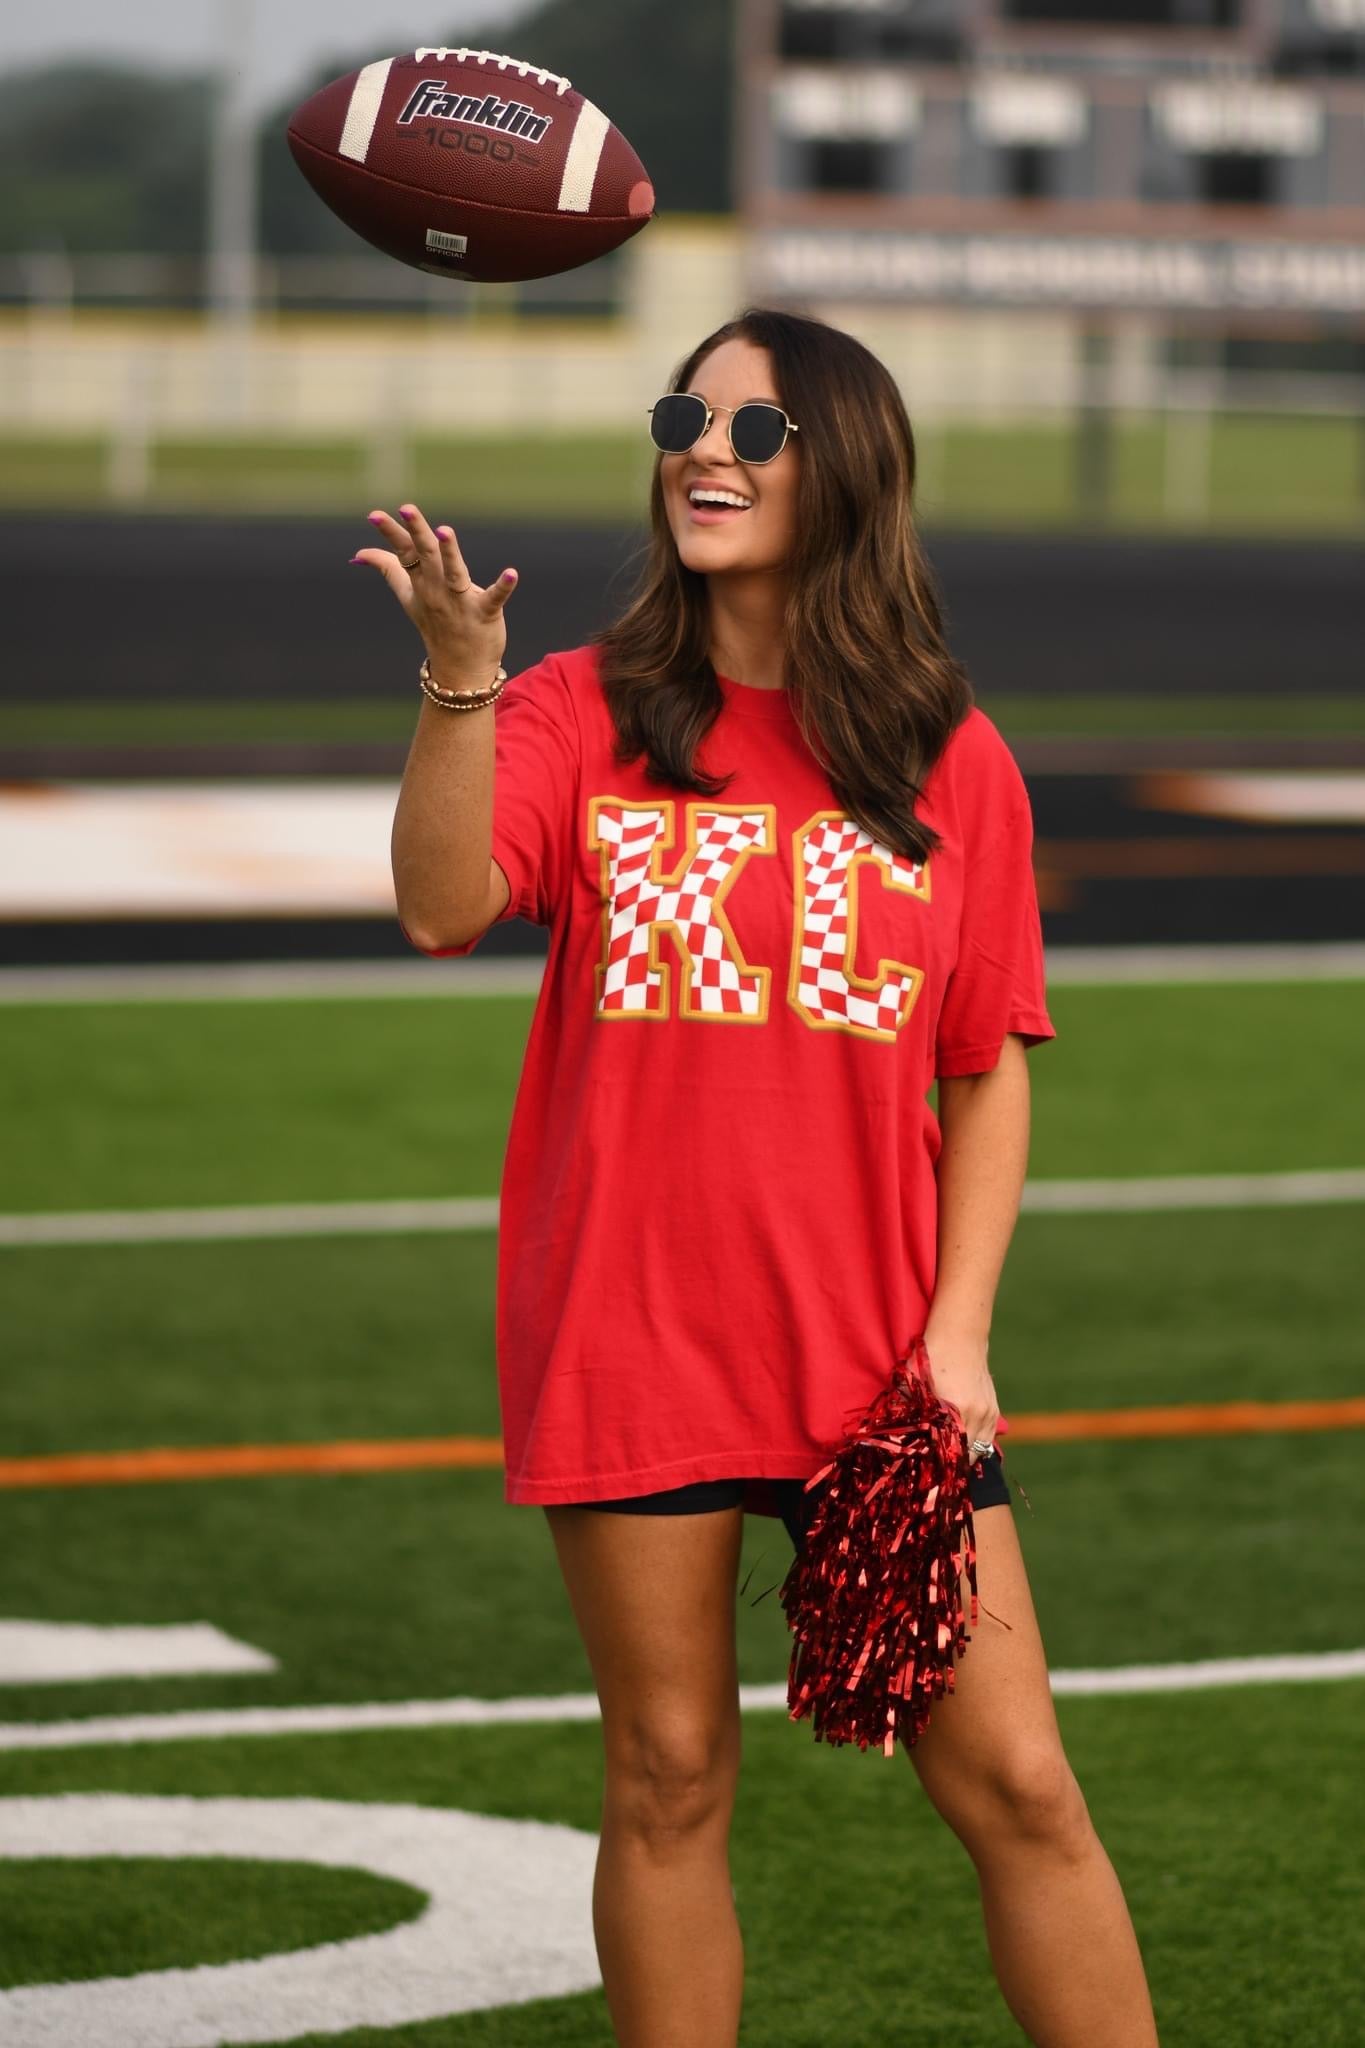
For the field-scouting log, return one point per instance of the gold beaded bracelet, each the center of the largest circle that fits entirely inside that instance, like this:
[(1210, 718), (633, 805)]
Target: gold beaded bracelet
[(461, 700)]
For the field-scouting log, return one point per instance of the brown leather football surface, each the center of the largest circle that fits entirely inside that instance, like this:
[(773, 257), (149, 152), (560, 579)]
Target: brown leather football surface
[(470, 164)]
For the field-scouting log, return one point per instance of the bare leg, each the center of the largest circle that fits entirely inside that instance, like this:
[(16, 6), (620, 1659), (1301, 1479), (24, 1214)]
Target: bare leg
[(1063, 1946), (991, 1760), (654, 1597)]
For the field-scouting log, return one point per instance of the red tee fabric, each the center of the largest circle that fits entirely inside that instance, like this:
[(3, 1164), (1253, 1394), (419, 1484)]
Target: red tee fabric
[(718, 1212)]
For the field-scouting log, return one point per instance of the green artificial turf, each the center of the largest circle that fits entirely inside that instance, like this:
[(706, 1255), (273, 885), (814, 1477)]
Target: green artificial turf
[(427, 1585), (399, 1585), (1263, 474), (134, 723), (1102, 716), (577, 477), (64, 1920), (364, 1325), (137, 724), (1220, 1077), (1228, 1812), (257, 1102), (140, 1344), (859, 1908), (154, 1104)]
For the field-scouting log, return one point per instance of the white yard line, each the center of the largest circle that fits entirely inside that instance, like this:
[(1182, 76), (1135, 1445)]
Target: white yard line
[(83, 1653), (1194, 1191), (265, 1219), (1097, 966), (216, 1723), (271, 981), (333, 980), (375, 1219), (505, 1917)]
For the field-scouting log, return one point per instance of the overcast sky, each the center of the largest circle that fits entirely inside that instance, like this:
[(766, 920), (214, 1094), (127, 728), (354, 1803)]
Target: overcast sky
[(286, 35)]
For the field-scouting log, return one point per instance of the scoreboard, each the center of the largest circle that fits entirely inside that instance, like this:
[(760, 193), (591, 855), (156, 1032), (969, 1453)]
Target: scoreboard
[(1182, 155)]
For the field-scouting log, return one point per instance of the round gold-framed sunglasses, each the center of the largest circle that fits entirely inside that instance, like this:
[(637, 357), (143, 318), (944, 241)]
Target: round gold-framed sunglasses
[(758, 431)]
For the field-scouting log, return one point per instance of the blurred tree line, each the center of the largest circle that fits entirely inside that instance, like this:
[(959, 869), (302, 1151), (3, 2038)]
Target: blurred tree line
[(101, 157), (97, 158)]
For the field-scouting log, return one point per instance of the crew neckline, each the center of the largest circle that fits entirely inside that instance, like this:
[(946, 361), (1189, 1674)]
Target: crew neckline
[(754, 703)]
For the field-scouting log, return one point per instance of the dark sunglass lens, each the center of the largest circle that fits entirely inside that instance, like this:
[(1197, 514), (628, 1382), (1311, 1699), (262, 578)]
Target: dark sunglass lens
[(676, 422), (758, 432)]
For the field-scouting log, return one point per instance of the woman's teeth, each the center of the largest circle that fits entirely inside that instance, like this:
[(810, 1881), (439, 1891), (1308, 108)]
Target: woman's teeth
[(708, 505)]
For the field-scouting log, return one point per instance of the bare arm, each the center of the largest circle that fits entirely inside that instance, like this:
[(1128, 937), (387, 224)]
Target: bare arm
[(984, 1120), (446, 883)]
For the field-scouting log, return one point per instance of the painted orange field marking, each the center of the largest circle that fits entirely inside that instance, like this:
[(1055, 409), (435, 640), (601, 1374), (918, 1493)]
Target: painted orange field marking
[(1249, 853), (255, 1461), (248, 1461)]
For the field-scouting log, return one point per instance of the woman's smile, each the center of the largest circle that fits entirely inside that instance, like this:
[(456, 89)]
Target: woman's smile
[(760, 499), (712, 500)]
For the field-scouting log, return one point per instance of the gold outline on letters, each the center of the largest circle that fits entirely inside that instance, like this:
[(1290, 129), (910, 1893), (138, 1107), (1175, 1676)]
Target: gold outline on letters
[(881, 859), (666, 810)]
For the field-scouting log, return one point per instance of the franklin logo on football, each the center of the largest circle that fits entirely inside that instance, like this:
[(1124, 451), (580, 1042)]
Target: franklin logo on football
[(434, 101)]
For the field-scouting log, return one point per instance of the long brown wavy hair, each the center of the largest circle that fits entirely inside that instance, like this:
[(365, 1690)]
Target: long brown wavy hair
[(871, 682)]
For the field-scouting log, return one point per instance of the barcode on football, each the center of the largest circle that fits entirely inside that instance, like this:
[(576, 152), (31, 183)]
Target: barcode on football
[(446, 245)]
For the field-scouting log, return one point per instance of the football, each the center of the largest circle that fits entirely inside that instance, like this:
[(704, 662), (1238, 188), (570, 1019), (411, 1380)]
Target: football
[(469, 164)]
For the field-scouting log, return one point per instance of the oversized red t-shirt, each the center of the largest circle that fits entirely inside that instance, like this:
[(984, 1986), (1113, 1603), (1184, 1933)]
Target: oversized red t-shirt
[(718, 1210)]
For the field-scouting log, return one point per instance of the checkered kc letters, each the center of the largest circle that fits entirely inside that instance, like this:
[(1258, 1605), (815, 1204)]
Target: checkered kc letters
[(657, 922)]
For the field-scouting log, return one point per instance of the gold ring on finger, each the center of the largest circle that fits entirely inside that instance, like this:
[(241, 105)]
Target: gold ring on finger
[(415, 563)]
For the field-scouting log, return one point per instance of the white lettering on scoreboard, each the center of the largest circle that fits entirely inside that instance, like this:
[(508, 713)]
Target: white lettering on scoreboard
[(1097, 270), (812, 103), (1339, 14), (1013, 107), (1266, 119)]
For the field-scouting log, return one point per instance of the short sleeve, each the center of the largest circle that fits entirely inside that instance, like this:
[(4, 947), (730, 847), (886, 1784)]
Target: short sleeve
[(536, 757), (997, 986)]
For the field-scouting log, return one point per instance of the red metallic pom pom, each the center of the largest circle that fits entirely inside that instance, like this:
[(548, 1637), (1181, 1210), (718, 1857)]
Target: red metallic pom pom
[(872, 1597)]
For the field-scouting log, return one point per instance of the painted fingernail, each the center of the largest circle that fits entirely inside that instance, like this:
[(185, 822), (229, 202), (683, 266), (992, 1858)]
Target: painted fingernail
[(375, 518), (355, 558), (408, 511)]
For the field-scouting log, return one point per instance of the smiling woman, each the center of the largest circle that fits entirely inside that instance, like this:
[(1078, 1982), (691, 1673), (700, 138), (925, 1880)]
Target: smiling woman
[(813, 581), (786, 865)]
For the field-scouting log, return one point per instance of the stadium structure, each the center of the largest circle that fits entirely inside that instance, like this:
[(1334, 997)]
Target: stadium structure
[(1197, 162)]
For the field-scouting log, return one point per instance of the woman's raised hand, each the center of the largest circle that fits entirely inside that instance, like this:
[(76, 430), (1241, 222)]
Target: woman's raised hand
[(462, 625)]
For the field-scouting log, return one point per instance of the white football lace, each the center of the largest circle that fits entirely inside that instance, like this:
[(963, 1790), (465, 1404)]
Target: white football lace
[(464, 56)]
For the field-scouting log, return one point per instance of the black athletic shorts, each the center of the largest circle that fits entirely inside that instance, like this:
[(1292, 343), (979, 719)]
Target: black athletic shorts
[(986, 1489)]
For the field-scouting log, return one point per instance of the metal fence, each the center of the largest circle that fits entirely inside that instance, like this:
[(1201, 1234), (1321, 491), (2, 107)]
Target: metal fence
[(363, 355)]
